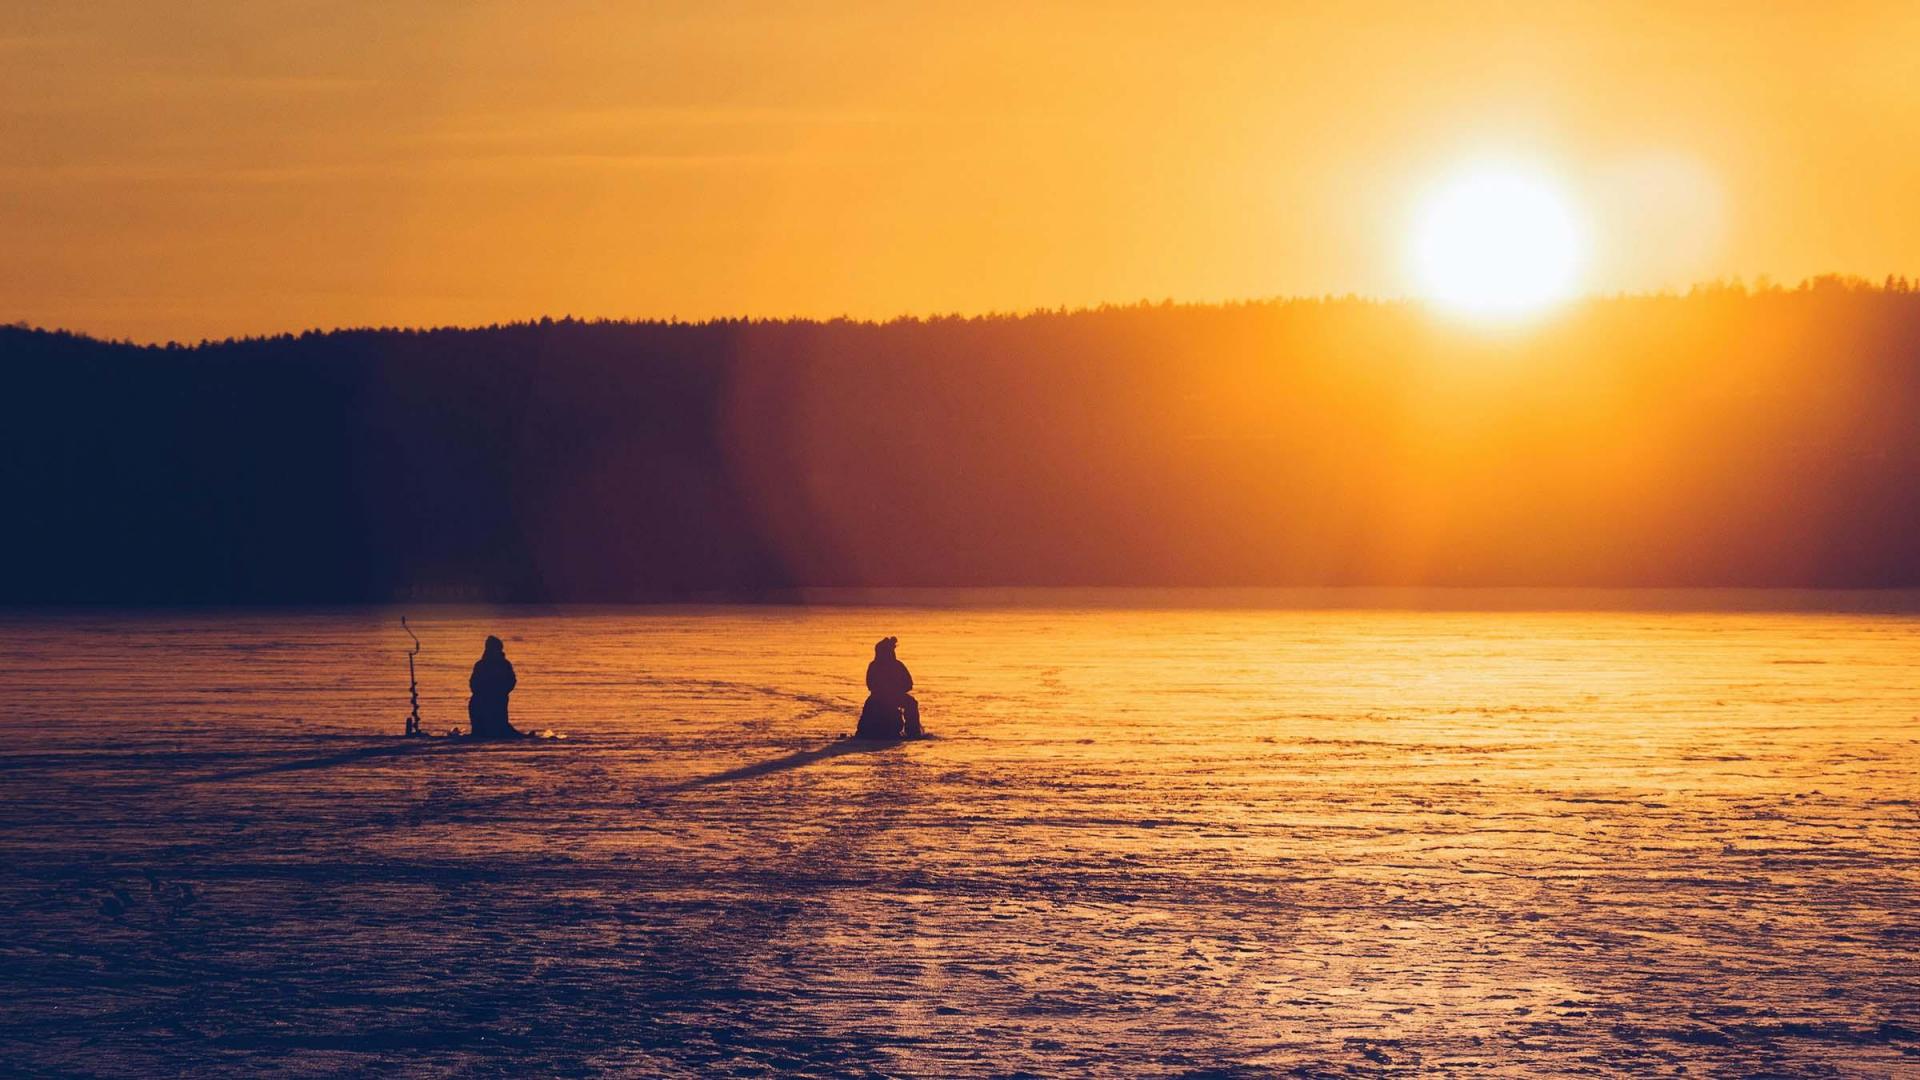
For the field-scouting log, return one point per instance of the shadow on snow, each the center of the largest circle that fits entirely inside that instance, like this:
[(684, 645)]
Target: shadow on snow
[(791, 761)]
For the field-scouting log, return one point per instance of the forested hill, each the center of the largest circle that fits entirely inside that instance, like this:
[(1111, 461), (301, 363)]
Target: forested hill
[(1725, 437)]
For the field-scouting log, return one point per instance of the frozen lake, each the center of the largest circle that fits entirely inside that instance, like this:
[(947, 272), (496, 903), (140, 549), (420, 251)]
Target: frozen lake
[(1148, 840)]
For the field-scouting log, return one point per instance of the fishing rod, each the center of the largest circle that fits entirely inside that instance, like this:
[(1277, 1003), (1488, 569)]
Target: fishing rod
[(413, 683)]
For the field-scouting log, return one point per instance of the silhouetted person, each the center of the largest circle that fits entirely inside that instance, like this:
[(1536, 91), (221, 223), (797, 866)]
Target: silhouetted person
[(492, 680), (890, 710)]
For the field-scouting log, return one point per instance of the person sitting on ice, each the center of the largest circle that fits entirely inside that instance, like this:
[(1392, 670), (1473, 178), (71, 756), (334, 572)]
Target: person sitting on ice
[(492, 680), (891, 710)]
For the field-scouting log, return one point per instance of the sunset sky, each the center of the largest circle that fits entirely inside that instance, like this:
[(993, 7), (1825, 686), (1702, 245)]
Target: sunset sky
[(214, 168)]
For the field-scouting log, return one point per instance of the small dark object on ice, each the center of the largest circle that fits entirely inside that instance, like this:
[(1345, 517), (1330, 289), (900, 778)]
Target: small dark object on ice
[(891, 712), (413, 683), (492, 680), (880, 721)]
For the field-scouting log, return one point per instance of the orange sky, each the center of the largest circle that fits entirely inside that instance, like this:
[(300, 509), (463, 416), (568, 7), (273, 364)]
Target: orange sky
[(202, 168)]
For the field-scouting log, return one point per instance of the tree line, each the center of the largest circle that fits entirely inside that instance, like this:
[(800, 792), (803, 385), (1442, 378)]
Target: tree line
[(1726, 436)]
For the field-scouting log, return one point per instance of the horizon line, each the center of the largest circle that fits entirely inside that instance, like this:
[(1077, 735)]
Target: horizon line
[(1736, 285)]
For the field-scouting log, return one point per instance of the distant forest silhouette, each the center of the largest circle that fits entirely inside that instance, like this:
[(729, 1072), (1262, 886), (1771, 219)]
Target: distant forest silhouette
[(1723, 437)]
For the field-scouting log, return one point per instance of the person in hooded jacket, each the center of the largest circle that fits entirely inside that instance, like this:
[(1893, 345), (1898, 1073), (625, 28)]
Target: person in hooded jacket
[(492, 680), (891, 710)]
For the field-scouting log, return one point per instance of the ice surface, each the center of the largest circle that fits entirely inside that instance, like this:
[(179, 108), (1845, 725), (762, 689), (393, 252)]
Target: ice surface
[(1145, 842)]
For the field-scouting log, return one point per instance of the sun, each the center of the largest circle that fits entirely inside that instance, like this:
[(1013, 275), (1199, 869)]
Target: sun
[(1497, 243)]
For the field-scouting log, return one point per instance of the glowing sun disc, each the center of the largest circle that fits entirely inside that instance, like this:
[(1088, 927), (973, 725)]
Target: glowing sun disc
[(1497, 243)]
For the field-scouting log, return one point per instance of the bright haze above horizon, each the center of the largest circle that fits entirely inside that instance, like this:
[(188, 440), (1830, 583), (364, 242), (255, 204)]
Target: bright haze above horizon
[(214, 168)]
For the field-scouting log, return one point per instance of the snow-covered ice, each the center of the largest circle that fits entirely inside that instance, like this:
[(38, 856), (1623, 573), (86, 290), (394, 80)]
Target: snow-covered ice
[(1146, 841)]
